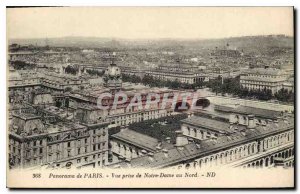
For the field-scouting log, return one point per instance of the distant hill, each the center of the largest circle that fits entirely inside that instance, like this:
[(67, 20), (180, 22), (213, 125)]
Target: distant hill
[(245, 42)]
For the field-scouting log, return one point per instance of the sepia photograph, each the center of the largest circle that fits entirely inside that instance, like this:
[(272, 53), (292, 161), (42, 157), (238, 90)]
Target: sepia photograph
[(150, 97)]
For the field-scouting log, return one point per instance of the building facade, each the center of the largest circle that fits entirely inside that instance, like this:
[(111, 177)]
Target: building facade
[(263, 79)]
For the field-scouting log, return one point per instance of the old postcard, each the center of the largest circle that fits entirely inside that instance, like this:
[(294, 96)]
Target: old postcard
[(150, 97)]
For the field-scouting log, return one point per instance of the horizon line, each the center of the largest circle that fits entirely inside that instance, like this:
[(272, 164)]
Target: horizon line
[(166, 38)]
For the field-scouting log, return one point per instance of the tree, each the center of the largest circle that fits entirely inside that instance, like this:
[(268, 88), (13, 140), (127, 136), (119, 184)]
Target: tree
[(68, 89)]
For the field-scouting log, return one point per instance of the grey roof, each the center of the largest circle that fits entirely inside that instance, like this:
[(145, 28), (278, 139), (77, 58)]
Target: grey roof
[(248, 110), (137, 139), (265, 113), (208, 123), (207, 147), (264, 71)]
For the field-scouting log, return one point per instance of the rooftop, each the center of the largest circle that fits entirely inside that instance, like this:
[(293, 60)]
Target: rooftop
[(137, 139), (264, 71), (209, 123), (140, 140), (246, 110), (202, 148)]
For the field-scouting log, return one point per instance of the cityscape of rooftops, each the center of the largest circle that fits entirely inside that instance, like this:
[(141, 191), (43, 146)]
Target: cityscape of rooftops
[(171, 98)]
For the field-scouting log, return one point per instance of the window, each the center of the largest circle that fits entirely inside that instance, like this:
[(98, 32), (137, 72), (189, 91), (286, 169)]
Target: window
[(41, 150), (78, 150), (69, 144)]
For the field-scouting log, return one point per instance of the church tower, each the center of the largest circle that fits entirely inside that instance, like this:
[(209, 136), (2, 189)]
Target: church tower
[(113, 76)]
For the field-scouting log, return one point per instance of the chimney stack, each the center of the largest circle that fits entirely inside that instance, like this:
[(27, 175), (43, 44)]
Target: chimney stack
[(191, 114), (190, 140), (270, 121), (180, 139), (151, 156), (168, 140), (122, 128), (127, 161), (121, 158), (251, 122), (144, 152), (158, 147), (166, 153)]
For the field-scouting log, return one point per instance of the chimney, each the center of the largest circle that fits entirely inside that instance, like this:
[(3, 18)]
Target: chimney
[(122, 128), (270, 121), (190, 114), (168, 139), (214, 139), (190, 140), (251, 122), (150, 155), (127, 161), (158, 147), (166, 153), (121, 158), (276, 122), (180, 139), (144, 152)]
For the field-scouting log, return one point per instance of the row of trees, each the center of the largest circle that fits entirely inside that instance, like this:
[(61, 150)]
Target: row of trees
[(228, 86), (155, 82), (18, 65), (232, 86), (285, 95), (95, 72)]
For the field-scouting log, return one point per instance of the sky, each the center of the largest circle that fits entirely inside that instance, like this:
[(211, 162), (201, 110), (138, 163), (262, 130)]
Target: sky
[(148, 22)]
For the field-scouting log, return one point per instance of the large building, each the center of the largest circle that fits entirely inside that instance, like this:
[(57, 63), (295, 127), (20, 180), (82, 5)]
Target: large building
[(183, 73), (129, 144), (46, 137), (206, 142), (263, 78)]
